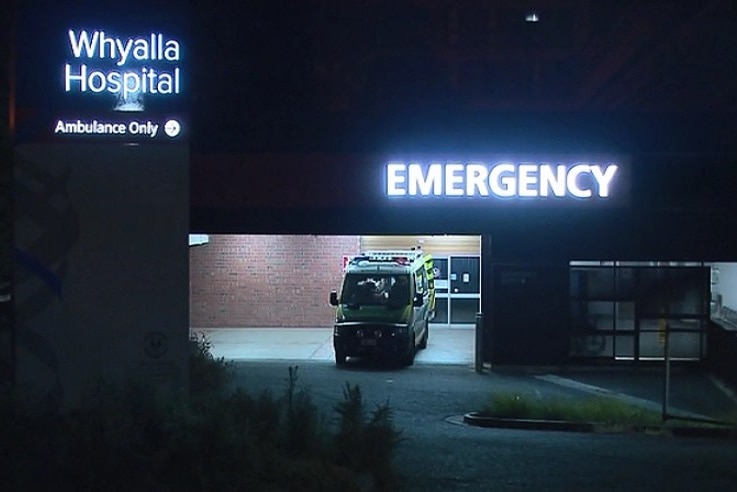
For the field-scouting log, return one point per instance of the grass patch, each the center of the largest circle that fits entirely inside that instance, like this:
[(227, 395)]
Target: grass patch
[(606, 411), (601, 410)]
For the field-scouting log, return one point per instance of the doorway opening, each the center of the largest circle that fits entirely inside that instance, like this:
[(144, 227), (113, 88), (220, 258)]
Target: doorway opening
[(456, 272), (267, 296)]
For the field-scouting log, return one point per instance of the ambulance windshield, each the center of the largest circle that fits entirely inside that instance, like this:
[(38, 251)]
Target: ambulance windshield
[(362, 289)]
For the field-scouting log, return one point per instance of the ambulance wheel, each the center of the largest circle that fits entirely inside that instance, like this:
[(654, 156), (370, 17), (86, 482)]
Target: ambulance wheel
[(423, 341), (340, 358), (409, 357)]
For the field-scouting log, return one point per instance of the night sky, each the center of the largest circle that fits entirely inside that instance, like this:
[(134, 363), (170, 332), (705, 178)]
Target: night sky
[(372, 75), (331, 75)]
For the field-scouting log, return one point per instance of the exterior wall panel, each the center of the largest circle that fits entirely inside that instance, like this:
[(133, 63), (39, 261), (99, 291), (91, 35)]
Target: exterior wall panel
[(436, 245), (266, 281)]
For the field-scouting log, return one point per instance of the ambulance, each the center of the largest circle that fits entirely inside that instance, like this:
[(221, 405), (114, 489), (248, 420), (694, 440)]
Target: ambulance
[(384, 306)]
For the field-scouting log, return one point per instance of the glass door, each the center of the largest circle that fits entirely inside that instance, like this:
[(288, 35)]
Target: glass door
[(457, 289), (440, 274), (465, 289)]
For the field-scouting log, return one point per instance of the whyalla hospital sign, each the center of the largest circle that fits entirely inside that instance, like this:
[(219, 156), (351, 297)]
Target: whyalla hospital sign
[(86, 73), (115, 55)]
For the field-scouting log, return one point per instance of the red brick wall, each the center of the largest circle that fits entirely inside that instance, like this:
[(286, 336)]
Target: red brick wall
[(264, 281)]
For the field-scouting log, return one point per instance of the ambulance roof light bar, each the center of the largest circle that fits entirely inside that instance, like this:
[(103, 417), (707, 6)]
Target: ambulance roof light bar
[(401, 259), (409, 254)]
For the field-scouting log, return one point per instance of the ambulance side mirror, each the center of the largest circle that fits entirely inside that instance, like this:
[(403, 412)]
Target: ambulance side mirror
[(333, 298)]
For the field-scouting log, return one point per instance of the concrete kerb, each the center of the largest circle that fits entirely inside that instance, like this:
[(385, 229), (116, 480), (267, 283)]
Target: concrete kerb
[(475, 419)]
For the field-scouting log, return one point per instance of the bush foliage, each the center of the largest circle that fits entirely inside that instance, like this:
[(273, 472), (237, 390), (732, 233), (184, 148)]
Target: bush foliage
[(215, 438)]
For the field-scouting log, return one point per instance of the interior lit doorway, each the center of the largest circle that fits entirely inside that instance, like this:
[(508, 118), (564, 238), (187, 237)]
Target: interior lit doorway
[(266, 296), (457, 273)]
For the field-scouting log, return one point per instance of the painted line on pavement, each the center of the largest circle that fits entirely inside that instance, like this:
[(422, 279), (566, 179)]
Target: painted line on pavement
[(633, 400), (729, 392)]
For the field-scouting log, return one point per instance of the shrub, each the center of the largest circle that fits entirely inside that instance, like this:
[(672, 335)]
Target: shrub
[(304, 429), (133, 438), (366, 443), (208, 374)]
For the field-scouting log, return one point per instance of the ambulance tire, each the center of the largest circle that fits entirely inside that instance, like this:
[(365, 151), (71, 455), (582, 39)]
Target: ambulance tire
[(409, 357), (425, 336), (340, 358)]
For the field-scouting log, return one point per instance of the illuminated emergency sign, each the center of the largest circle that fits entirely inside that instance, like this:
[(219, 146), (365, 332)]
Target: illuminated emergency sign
[(505, 179)]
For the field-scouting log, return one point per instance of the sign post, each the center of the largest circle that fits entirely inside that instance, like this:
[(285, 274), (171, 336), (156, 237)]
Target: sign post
[(101, 216), (666, 380)]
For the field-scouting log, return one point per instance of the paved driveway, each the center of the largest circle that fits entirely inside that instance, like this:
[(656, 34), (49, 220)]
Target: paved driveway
[(692, 392), (445, 346), (439, 455)]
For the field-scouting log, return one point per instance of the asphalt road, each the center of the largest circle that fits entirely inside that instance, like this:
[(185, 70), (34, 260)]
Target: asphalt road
[(439, 455)]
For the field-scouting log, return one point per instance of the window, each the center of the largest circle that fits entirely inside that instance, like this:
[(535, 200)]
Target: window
[(375, 289), (420, 281)]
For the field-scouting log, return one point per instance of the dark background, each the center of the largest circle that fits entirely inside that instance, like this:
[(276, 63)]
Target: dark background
[(377, 75), (397, 75), (651, 80)]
